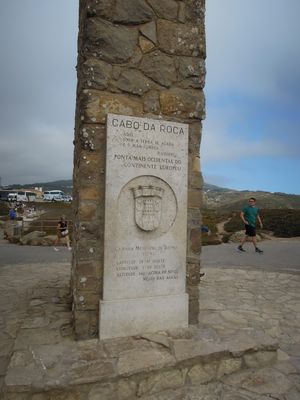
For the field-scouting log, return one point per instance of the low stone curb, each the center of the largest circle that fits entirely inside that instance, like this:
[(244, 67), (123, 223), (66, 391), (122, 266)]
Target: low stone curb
[(221, 358), (45, 365)]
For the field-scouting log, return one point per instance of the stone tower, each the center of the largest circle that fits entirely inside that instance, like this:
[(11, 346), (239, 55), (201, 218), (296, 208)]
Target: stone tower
[(141, 58)]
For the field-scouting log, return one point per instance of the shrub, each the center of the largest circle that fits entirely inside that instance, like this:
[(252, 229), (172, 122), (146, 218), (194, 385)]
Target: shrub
[(283, 222)]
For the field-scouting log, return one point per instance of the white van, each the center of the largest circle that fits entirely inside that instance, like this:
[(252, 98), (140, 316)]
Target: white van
[(26, 196), (53, 195), (12, 197)]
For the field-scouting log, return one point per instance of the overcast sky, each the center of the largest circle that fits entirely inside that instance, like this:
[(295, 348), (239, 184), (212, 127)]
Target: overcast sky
[(251, 134)]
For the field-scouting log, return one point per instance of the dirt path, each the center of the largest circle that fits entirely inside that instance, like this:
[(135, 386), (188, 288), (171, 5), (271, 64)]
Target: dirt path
[(220, 229)]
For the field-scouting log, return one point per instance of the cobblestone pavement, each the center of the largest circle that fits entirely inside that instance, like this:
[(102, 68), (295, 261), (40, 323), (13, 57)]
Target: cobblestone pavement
[(21, 288), (232, 300), (236, 300)]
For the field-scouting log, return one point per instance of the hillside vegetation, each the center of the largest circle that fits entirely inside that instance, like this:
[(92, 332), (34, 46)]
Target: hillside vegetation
[(280, 212), (231, 200), (283, 223)]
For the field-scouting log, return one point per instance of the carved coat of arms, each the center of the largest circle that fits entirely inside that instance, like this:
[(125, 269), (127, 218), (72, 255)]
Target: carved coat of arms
[(148, 206)]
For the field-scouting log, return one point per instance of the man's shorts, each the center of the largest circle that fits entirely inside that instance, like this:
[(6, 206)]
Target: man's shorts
[(250, 230)]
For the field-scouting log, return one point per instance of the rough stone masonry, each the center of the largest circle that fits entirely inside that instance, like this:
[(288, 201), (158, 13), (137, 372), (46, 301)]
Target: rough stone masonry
[(144, 59)]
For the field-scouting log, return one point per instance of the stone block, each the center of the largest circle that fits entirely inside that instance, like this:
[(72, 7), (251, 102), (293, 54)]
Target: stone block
[(89, 250), (195, 240), (104, 391), (195, 12), (163, 380), (145, 44), (194, 218), (181, 12), (136, 58), (149, 31), (159, 67), (127, 317), (91, 371), (98, 104), (182, 103), (91, 230), (111, 43), (180, 39), (166, 9), (203, 373), (151, 102), (194, 163), (264, 381), (260, 359), (134, 361), (86, 300), (96, 74), (193, 271), (123, 12), (86, 325), (191, 67), (126, 389), (86, 268), (229, 366), (194, 198), (88, 283), (195, 180), (90, 193), (195, 131), (87, 210), (193, 290), (133, 81)]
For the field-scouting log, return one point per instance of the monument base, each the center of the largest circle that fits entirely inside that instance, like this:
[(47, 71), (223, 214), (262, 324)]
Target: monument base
[(129, 317)]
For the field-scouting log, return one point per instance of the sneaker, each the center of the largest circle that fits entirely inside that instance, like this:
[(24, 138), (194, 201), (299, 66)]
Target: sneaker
[(240, 248), (55, 249), (69, 248), (258, 250), (202, 274)]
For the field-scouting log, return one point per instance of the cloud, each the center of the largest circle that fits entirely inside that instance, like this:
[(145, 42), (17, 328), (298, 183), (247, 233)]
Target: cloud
[(253, 81), (227, 136), (254, 46), (38, 89), (44, 152)]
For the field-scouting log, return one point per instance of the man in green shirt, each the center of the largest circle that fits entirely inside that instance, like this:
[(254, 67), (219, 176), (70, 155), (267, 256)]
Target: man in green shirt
[(249, 215)]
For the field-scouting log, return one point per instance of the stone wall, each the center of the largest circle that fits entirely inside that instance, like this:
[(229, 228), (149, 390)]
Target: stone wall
[(139, 58)]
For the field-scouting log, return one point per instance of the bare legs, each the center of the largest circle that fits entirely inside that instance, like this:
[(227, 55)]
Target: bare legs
[(57, 241), (253, 239)]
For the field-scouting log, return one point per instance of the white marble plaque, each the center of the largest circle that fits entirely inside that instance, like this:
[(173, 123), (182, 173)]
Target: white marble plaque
[(145, 226)]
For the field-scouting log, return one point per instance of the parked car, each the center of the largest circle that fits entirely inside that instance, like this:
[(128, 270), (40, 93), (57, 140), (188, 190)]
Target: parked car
[(20, 196), (4, 195), (53, 195), (66, 198), (26, 196), (12, 196)]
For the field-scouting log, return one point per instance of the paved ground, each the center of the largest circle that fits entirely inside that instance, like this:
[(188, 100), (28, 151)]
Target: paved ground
[(12, 254), (240, 294), (279, 255)]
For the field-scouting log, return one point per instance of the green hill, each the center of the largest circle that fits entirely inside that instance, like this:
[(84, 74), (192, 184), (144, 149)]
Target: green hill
[(233, 200), (65, 185)]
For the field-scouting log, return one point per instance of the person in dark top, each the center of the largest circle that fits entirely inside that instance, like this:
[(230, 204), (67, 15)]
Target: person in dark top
[(62, 232), (12, 214), (250, 215)]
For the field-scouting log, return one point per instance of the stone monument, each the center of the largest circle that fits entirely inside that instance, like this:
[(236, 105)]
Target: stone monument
[(137, 179), (145, 226)]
